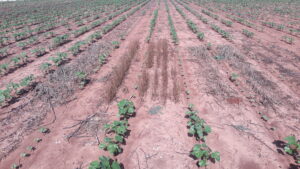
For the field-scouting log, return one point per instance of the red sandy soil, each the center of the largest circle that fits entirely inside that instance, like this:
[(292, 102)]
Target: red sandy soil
[(160, 140)]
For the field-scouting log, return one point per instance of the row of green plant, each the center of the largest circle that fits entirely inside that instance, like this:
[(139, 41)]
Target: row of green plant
[(288, 39), (152, 25), (14, 89), (222, 32), (50, 24), (242, 21), (76, 48), (247, 33), (46, 67), (279, 27), (199, 129), (117, 131), (118, 21), (25, 44), (216, 17), (171, 24), (190, 23), (198, 15), (226, 22)]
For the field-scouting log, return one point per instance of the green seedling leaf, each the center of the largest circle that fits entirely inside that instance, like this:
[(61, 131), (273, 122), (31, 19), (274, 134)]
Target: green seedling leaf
[(44, 130), (37, 140), (202, 163), (265, 118), (216, 156)]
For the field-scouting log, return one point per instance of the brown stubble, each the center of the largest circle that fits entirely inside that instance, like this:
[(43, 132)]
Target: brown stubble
[(120, 71), (164, 72)]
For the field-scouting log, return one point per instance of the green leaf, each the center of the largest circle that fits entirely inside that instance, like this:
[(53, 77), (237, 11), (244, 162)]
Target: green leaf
[(288, 150), (207, 129), (94, 165), (215, 155), (119, 138), (192, 130), (291, 139), (102, 146), (115, 165), (113, 148), (202, 163), (107, 140)]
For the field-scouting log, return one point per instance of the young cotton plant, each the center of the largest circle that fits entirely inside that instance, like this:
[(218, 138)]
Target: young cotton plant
[(105, 163), (111, 146), (292, 147), (204, 154), (198, 127), (126, 109), (118, 127)]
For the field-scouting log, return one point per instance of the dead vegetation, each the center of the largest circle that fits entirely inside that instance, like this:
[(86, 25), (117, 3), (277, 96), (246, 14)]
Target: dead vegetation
[(120, 71), (164, 72), (151, 53), (143, 83), (176, 85)]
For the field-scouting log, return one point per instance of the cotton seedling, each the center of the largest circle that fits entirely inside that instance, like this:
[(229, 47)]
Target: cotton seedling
[(233, 77), (111, 146), (82, 78), (118, 127), (44, 130), (105, 163), (203, 153), (30, 148), (197, 126), (24, 155), (116, 44), (15, 166), (37, 140), (292, 147), (126, 109), (45, 66)]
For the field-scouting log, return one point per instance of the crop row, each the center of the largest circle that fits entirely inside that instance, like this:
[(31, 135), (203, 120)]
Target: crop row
[(117, 131), (222, 32), (216, 17), (13, 90), (61, 57), (190, 23), (171, 24), (199, 16), (23, 58), (152, 25), (43, 28), (199, 129), (53, 14)]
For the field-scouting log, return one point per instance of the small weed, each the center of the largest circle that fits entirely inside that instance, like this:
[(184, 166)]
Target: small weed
[(287, 39), (248, 33), (44, 130), (37, 140), (116, 44), (24, 155), (233, 77), (30, 148)]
